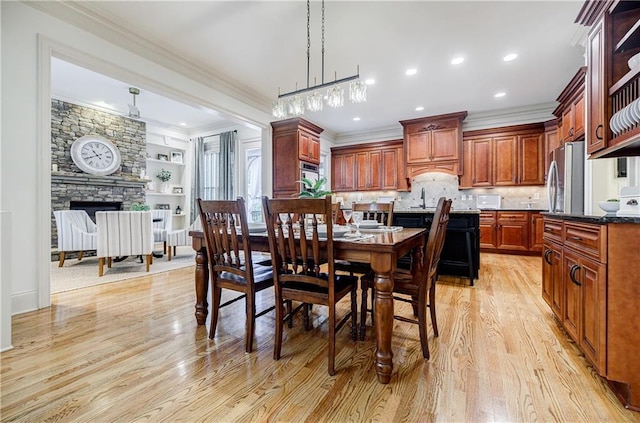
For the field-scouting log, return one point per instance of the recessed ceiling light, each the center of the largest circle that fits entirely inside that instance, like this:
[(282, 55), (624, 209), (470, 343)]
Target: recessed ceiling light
[(370, 81), (411, 71), (509, 57), (500, 94), (419, 109), (356, 118), (457, 60), (183, 124)]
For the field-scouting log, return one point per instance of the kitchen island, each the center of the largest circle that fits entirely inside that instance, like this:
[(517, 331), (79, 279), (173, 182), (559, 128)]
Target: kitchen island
[(461, 251), (591, 281)]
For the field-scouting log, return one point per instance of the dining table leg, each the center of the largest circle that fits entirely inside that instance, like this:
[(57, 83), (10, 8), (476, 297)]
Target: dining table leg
[(201, 279), (382, 265)]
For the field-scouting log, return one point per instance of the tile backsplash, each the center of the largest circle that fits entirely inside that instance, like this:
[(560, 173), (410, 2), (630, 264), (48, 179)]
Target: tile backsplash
[(438, 184)]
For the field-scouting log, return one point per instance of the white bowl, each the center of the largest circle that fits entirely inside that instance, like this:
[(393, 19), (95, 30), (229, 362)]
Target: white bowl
[(634, 61), (609, 206)]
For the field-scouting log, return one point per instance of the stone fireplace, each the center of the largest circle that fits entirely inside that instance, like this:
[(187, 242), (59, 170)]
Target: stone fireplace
[(70, 185)]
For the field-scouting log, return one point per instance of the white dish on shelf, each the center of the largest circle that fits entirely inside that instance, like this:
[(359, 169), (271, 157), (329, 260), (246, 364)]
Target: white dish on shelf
[(634, 61), (626, 118), (635, 110), (613, 124)]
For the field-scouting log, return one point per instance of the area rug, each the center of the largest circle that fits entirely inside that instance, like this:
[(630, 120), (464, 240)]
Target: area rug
[(81, 274)]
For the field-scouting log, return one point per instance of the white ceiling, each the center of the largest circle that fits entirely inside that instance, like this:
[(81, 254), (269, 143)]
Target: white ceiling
[(259, 46)]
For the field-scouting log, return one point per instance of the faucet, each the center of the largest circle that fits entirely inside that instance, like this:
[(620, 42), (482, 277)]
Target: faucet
[(422, 197)]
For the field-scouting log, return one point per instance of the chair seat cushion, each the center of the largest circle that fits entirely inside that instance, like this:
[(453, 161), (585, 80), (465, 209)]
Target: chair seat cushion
[(342, 282)]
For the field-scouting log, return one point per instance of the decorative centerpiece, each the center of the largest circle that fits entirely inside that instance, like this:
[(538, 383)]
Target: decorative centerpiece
[(610, 206), (164, 176)]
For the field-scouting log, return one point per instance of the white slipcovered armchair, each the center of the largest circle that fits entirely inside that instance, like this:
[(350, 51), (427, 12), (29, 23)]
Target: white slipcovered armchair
[(76, 232), (161, 226), (181, 237), (124, 233)]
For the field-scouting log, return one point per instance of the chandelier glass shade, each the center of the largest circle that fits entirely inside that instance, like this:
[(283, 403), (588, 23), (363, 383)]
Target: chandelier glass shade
[(293, 103)]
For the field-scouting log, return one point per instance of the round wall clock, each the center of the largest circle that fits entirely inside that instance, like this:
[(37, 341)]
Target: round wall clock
[(95, 155)]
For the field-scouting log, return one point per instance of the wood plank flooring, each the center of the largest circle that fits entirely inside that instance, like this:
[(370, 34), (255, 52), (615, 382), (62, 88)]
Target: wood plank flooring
[(131, 352)]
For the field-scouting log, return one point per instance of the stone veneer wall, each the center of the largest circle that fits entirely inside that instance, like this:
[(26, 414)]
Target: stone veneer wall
[(69, 122)]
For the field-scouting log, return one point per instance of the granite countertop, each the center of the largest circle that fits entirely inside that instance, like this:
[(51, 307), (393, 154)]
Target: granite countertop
[(608, 218), (431, 210)]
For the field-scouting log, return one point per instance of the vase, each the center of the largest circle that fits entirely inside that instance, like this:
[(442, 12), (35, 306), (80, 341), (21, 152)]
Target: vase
[(164, 187)]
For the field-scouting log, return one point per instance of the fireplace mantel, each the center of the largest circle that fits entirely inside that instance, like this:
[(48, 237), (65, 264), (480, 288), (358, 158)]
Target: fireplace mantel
[(86, 179)]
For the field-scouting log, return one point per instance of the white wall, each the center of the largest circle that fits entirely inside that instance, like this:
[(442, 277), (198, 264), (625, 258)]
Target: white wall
[(29, 38)]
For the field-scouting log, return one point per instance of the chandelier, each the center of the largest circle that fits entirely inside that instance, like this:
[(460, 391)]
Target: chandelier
[(295, 103)]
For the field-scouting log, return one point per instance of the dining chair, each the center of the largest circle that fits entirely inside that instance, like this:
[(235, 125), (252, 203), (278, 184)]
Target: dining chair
[(162, 225), (224, 223), (380, 212), (296, 251), (181, 237), (418, 283), (335, 212), (76, 232), (124, 233)]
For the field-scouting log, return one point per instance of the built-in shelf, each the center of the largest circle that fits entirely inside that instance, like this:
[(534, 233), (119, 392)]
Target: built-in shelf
[(164, 194), (165, 162), (624, 80)]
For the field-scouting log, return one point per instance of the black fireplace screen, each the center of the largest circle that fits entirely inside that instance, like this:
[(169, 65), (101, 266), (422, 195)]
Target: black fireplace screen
[(91, 207)]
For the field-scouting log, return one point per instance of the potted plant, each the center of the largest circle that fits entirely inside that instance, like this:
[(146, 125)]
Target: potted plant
[(312, 189), (164, 175), (140, 207)]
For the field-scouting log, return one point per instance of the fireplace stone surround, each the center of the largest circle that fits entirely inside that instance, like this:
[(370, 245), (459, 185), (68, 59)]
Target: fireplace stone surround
[(68, 183)]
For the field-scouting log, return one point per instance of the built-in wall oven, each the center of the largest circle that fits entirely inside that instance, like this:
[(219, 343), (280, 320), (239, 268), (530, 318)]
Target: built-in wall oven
[(309, 171)]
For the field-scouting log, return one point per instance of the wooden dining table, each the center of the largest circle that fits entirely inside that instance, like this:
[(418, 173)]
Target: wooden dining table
[(381, 251)]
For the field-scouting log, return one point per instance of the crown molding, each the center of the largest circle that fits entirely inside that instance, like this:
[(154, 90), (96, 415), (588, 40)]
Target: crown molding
[(88, 17)]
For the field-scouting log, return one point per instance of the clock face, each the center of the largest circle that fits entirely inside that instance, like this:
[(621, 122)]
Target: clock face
[(95, 155)]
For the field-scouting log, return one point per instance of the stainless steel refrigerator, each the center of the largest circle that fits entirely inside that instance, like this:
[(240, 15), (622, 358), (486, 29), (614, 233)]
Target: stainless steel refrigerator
[(565, 180)]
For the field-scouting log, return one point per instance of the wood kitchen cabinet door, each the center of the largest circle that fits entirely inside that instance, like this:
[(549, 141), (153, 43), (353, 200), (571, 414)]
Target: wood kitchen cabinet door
[(505, 160), (481, 163), (572, 299), (552, 282), (308, 147), (488, 230), (368, 170), (445, 145), (530, 159), (513, 231), (536, 223), (389, 178), (596, 92), (593, 335), (343, 172)]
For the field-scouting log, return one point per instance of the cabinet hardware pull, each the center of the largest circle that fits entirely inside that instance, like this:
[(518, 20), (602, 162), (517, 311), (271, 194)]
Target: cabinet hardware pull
[(598, 136), (546, 256), (572, 274), (576, 238)]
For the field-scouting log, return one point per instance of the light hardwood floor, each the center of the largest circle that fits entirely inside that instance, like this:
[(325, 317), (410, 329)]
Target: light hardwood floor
[(131, 351)]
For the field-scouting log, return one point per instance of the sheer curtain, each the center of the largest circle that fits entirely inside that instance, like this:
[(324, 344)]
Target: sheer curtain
[(197, 176), (214, 168)]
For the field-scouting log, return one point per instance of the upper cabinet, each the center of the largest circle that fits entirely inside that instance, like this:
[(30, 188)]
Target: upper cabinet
[(612, 87), (507, 156), (368, 167), (433, 144), (295, 141), (570, 112)]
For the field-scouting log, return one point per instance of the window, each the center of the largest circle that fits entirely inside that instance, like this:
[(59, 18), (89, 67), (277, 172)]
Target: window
[(211, 183), (254, 185)]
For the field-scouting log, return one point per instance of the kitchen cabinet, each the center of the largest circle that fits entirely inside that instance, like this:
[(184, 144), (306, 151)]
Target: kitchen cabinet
[(507, 156), (570, 111), (515, 232), (537, 231), (598, 285), (433, 143), (551, 142), (294, 141), (368, 167), (611, 85)]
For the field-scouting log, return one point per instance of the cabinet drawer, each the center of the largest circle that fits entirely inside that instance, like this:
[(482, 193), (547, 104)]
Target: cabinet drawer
[(552, 230), (487, 217), (513, 216), (587, 239)]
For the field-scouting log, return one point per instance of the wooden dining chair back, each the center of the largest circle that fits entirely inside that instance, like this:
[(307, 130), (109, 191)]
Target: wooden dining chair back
[(335, 212), (381, 212), (418, 283), (297, 248), (224, 223)]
